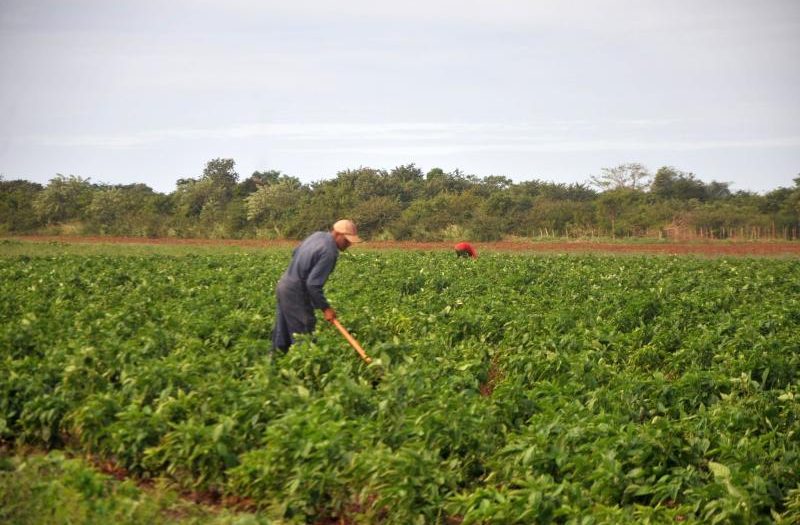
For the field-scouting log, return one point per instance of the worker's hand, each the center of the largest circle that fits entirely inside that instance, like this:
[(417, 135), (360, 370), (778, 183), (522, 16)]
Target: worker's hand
[(330, 314)]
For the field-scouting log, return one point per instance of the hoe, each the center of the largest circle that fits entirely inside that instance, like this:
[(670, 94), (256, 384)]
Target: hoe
[(352, 341)]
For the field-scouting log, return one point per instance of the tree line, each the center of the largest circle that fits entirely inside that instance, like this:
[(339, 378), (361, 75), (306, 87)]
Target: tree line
[(404, 203)]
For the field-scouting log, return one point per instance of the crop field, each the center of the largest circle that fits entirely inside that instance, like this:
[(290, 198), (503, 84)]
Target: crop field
[(507, 389)]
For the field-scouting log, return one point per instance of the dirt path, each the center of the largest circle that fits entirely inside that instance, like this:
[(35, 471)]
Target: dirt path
[(710, 248)]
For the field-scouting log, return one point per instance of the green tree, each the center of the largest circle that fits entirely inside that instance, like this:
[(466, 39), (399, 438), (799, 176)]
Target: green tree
[(222, 173), (783, 207), (375, 214), (214, 189), (611, 205), (437, 218), (274, 204), (258, 179), (794, 199), (338, 197), (190, 197), (729, 216), (632, 176), (484, 227), (437, 181), (65, 198), (559, 216), (490, 185), (717, 190), (510, 207), (125, 210), (775, 200), (204, 201), (108, 208), (234, 220), (352, 193), (17, 213), (404, 183), (670, 183), (571, 192)]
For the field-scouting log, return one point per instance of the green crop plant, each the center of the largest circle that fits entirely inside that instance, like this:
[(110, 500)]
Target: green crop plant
[(507, 389)]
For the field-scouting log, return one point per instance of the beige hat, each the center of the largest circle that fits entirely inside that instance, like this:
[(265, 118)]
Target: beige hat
[(348, 229)]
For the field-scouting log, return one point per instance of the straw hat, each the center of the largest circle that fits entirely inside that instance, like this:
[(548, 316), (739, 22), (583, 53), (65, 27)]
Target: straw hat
[(347, 228)]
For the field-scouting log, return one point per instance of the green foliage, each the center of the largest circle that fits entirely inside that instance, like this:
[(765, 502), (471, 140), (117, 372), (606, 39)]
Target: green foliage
[(670, 183), (16, 206), (273, 204), (506, 389), (53, 488), (557, 215), (632, 176), (375, 214), (125, 210), (403, 203), (429, 219), (64, 199), (206, 206)]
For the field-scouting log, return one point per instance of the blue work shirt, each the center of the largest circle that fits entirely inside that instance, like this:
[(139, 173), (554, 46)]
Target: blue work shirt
[(311, 264)]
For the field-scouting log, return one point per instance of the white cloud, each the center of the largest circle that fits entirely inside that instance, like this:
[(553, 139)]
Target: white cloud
[(596, 146), (148, 86), (429, 138)]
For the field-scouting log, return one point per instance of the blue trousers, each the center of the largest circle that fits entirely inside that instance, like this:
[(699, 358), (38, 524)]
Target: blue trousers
[(294, 314)]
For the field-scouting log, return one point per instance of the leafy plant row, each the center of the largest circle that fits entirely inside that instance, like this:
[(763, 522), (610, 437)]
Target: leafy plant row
[(509, 389)]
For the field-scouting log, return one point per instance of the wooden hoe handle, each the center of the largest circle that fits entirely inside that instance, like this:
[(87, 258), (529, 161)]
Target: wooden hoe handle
[(352, 341)]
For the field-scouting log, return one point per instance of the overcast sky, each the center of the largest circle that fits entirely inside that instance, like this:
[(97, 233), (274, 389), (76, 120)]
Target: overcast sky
[(123, 91)]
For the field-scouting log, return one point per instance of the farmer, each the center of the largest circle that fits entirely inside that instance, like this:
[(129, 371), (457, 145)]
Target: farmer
[(465, 249), (299, 290)]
